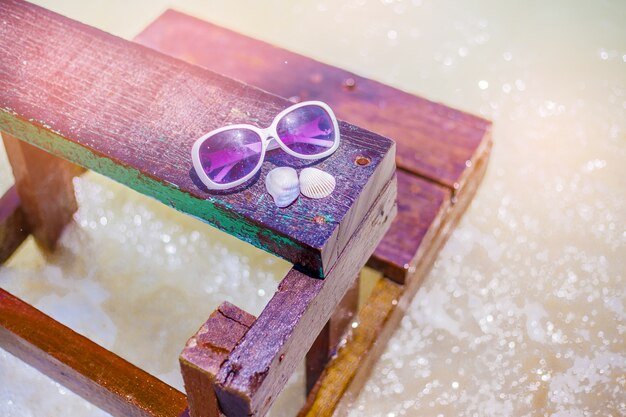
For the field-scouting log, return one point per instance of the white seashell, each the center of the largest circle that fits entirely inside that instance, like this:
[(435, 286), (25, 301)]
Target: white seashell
[(282, 184), (315, 183)]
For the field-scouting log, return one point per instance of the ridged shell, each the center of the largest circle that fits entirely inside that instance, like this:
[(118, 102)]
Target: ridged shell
[(282, 184), (315, 183)]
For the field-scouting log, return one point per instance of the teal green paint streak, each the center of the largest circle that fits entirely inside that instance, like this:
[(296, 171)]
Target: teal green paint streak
[(213, 211)]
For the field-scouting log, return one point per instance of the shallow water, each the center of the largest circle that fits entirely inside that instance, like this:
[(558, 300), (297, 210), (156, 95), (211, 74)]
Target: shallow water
[(523, 313)]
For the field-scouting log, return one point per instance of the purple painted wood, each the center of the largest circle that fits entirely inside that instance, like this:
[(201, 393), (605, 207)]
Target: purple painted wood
[(420, 204), (434, 140), (325, 345), (427, 186), (347, 372), (132, 113), (205, 352), (259, 366)]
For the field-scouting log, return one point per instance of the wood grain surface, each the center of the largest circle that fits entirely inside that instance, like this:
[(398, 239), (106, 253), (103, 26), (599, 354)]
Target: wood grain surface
[(13, 227), (259, 366), (325, 345), (434, 142), (419, 204), (205, 352), (356, 355), (44, 184), (347, 372), (99, 376), (132, 114)]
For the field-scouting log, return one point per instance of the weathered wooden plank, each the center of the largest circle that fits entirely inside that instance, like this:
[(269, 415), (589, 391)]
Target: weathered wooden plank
[(261, 363), (132, 113), (419, 205), (205, 352), (13, 227), (347, 372), (44, 184), (325, 346), (434, 141), (358, 354), (89, 370), (419, 202)]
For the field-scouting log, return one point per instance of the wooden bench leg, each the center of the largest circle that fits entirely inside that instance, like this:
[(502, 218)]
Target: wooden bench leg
[(44, 185), (329, 338), (13, 227), (249, 362), (204, 353)]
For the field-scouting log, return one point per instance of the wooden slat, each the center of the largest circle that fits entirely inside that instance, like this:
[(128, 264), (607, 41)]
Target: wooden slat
[(13, 227), (434, 141), (259, 366), (357, 357), (419, 204), (89, 370), (132, 114), (348, 371), (326, 343), (205, 352), (44, 184)]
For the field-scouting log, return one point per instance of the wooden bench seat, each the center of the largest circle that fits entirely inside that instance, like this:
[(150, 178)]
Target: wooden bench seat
[(132, 114), (435, 143)]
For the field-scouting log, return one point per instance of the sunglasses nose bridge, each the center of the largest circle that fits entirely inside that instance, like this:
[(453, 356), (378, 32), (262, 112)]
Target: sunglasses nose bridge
[(271, 143)]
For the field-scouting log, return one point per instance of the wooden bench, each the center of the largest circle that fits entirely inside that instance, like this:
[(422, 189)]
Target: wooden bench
[(442, 154)]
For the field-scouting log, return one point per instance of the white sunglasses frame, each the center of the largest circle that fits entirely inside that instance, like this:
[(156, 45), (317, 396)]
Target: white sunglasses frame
[(269, 140)]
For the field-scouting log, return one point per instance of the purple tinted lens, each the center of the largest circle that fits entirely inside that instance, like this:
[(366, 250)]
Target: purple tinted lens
[(230, 155), (307, 130)]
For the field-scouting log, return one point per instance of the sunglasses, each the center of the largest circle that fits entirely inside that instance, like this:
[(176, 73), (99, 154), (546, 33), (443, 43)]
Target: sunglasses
[(231, 155)]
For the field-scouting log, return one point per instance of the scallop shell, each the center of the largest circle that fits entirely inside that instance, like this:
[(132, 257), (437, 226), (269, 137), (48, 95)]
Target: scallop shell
[(315, 183), (282, 184)]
